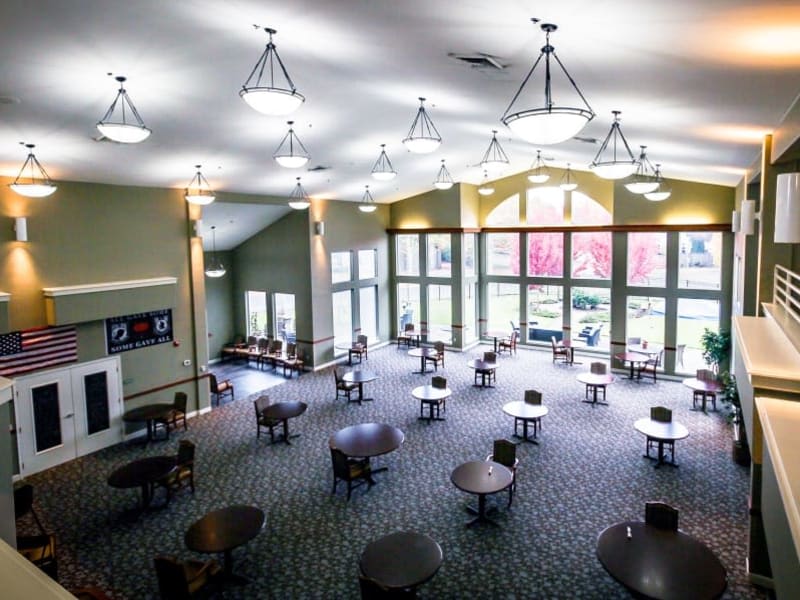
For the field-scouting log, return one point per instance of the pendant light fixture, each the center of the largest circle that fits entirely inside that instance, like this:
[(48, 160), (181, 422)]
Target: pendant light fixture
[(122, 122), (268, 97), (298, 199), (643, 180), (422, 138), (548, 124), (568, 183), (538, 173), (618, 165), (36, 183), (443, 180), (215, 268), (291, 153), (367, 202), (495, 158), (662, 192), (486, 188), (198, 191), (383, 169)]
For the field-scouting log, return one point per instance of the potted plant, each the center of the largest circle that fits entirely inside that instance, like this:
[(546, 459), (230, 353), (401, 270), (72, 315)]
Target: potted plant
[(716, 353)]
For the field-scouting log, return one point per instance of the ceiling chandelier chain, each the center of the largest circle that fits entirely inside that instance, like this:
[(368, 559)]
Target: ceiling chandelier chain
[(383, 170), (616, 168), (124, 129), (32, 186), (494, 157), (215, 267), (266, 96), (443, 179), (287, 157), (298, 199), (199, 191), (548, 124), (423, 137)]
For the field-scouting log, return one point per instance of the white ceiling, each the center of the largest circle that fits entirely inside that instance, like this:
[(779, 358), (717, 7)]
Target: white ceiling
[(699, 83)]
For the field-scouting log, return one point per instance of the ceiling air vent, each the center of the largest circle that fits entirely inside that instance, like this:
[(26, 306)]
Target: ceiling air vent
[(479, 60), (318, 168)]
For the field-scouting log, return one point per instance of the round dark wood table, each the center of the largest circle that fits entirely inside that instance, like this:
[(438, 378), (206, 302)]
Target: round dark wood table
[(427, 394), (401, 560), (224, 530), (360, 377), (422, 353), (634, 358), (283, 411), (481, 477), (661, 432), (595, 382), (366, 440), (527, 413), (149, 413), (485, 369), (143, 473), (660, 563), (706, 387)]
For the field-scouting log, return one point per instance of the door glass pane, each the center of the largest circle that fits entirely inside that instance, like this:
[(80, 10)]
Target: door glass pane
[(285, 317), (95, 391), (546, 254), (408, 305), (440, 310), (645, 321), (340, 267), (591, 316), (591, 255), (545, 206), (257, 314), (342, 320), (699, 261), (469, 333), (469, 254), (408, 254), (545, 312), (502, 252), (367, 268), (647, 259), (439, 255), (368, 309), (46, 417), (694, 316), (502, 306)]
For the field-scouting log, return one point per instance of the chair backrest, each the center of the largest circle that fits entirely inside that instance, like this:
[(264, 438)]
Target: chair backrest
[(171, 577), (634, 341), (185, 452), (179, 403), (661, 515), (489, 357), (362, 339), (263, 344), (338, 372), (260, 404), (655, 360), (553, 341), (598, 368), (439, 382), (252, 340), (212, 382), (533, 397), (439, 347), (408, 327), (341, 467), (504, 452), (291, 349), (661, 413), (680, 349), (706, 375), (23, 500), (276, 346)]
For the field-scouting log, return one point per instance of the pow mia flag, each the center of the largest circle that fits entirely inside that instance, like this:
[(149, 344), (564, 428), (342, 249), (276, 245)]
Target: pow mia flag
[(138, 331)]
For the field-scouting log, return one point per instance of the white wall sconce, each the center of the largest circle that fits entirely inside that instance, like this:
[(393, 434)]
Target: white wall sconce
[(319, 227), (748, 217), (736, 221), (21, 228), (787, 209)]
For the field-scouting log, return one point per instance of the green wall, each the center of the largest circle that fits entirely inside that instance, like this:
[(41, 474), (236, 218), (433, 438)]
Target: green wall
[(219, 307)]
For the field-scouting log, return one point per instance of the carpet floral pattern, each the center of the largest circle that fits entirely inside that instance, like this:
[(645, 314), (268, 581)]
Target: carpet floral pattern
[(587, 473)]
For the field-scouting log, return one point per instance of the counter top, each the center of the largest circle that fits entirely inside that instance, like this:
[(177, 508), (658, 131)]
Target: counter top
[(769, 356)]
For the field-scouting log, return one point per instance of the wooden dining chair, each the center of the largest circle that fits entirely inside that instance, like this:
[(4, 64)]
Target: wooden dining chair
[(438, 358), (354, 471), (358, 350), (182, 580), (177, 413), (505, 453), (663, 415), (260, 404), (509, 343), (650, 366), (661, 515), (343, 388), (697, 395), (531, 397), (439, 383), (488, 375), (405, 337), (560, 352), (220, 389)]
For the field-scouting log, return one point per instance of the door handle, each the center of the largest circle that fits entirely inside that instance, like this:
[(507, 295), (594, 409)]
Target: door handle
[(69, 416)]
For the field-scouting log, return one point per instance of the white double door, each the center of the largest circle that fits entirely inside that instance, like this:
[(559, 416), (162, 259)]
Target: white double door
[(66, 413)]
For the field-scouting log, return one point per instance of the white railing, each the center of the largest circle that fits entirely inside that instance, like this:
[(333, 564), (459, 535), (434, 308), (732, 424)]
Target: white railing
[(786, 292)]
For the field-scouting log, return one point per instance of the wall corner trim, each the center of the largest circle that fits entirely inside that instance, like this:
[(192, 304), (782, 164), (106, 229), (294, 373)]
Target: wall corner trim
[(52, 292)]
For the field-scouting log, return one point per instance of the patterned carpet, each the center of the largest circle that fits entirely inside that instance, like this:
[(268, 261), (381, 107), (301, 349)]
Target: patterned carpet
[(587, 473)]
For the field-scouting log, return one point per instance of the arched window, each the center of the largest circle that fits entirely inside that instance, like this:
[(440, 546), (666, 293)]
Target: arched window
[(505, 214), (545, 206), (587, 211)]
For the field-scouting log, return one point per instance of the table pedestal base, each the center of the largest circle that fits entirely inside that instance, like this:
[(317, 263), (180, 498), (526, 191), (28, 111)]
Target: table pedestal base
[(660, 458), (481, 512)]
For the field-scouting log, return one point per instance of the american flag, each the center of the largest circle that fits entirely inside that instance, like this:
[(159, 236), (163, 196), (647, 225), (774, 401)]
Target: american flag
[(32, 349)]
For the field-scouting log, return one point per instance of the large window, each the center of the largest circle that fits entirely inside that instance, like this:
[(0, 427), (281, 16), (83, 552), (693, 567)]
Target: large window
[(591, 255), (591, 316), (545, 312), (367, 264), (545, 206), (342, 320), (699, 260), (440, 307), (502, 253), (408, 304), (546, 254), (502, 306), (505, 213), (408, 254), (368, 312), (470, 331), (647, 254), (439, 255), (694, 316), (468, 251), (284, 317), (256, 314), (340, 267), (645, 320)]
